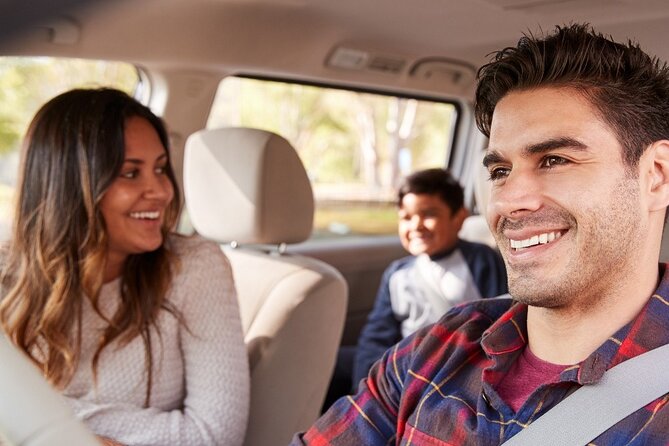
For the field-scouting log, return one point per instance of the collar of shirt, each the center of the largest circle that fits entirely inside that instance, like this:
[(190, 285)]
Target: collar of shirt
[(445, 253), (507, 337)]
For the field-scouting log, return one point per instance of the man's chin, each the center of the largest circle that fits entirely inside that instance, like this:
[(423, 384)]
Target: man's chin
[(535, 296)]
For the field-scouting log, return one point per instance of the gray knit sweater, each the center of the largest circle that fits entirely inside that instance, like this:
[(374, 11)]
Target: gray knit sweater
[(200, 392)]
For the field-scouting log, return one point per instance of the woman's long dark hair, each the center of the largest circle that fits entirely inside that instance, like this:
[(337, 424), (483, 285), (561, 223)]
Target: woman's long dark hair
[(73, 152)]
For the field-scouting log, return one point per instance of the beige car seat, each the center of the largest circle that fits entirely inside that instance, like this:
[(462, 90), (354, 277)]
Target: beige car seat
[(475, 227), (246, 188), (31, 412)]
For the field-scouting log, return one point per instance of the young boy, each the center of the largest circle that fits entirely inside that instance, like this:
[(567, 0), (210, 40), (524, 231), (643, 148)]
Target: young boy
[(441, 272)]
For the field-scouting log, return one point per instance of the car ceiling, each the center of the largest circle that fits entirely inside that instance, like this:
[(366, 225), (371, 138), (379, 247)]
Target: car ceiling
[(296, 37)]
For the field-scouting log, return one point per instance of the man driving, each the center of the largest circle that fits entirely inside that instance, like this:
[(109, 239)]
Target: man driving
[(578, 160)]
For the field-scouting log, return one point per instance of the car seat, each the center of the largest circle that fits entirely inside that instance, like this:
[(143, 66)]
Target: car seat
[(247, 189), (31, 412)]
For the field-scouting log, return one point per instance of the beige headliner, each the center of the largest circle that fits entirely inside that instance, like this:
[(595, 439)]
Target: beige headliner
[(294, 37)]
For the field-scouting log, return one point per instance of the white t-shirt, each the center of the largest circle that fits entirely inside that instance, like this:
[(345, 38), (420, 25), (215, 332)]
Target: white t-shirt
[(422, 292)]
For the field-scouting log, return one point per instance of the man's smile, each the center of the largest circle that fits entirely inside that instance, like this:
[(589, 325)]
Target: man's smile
[(539, 239)]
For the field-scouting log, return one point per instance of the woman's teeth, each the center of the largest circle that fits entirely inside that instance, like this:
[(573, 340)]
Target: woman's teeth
[(145, 215)]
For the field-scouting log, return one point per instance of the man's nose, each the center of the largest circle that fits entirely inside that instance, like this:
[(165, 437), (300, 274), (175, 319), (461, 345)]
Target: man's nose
[(519, 194)]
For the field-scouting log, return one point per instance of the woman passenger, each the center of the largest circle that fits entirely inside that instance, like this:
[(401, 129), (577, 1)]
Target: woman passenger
[(138, 327)]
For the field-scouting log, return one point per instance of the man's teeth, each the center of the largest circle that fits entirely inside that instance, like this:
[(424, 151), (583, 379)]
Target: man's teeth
[(540, 239), (145, 215)]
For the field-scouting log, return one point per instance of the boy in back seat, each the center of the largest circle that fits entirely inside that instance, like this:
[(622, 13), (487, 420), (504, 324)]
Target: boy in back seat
[(442, 271)]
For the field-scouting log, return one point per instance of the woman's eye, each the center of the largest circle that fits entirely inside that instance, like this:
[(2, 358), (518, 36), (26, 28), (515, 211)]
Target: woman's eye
[(498, 173), (552, 161), (129, 174), (161, 170)]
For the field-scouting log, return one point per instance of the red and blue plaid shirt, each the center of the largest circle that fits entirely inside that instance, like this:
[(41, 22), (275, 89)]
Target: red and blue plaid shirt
[(437, 387)]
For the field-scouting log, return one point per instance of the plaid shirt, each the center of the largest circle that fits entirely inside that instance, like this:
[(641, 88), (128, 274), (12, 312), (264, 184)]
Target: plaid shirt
[(437, 387)]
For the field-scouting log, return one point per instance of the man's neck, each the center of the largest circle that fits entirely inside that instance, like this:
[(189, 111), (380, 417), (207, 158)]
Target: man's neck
[(568, 335)]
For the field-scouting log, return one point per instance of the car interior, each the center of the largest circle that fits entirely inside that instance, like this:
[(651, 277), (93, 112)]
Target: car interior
[(291, 123)]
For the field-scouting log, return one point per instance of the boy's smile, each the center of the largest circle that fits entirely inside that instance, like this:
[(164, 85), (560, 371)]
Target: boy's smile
[(427, 225)]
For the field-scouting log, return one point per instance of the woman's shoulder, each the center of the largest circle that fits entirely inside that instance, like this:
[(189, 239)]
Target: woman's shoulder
[(195, 253), (203, 270), (190, 244)]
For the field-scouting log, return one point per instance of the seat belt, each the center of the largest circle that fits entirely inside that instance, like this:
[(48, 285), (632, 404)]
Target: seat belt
[(594, 408)]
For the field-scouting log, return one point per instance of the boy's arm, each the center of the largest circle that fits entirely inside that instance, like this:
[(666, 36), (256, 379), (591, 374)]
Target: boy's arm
[(381, 331)]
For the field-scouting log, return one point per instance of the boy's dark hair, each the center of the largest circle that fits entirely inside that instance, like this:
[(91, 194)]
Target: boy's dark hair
[(433, 182), (628, 88)]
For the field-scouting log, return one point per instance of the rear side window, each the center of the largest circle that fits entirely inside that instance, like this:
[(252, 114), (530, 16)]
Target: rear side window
[(28, 82), (356, 146)]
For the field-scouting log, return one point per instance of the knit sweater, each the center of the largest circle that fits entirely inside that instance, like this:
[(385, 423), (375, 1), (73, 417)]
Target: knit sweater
[(200, 390)]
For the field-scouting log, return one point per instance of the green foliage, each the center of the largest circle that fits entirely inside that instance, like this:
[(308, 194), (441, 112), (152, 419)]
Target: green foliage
[(350, 143), (27, 83), (430, 144), (356, 219)]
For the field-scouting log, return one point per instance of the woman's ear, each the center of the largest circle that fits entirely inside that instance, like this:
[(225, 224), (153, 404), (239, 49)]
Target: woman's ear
[(656, 165)]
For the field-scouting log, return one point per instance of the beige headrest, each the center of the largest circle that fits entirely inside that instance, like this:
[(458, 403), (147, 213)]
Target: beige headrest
[(248, 186)]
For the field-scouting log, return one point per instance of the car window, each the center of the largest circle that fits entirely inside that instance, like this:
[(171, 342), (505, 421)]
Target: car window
[(355, 145), (28, 82)]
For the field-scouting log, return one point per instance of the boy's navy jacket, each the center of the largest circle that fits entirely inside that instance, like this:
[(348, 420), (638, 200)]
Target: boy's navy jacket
[(417, 291)]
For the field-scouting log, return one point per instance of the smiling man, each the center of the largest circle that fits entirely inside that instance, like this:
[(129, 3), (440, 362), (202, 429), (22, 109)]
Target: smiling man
[(578, 160)]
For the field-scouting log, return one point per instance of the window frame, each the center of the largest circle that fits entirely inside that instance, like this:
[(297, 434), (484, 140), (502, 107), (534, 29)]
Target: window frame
[(456, 161), (456, 126)]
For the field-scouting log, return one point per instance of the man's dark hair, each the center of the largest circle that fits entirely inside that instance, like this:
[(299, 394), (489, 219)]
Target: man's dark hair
[(433, 182), (628, 88)]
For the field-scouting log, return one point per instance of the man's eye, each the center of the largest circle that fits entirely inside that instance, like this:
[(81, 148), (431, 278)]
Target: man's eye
[(498, 173), (552, 161)]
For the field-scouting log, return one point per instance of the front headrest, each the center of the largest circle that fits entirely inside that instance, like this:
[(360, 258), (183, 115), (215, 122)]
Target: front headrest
[(248, 186)]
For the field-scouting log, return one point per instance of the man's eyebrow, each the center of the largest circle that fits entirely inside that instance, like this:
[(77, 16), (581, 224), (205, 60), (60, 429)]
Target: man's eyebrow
[(552, 144), (494, 157)]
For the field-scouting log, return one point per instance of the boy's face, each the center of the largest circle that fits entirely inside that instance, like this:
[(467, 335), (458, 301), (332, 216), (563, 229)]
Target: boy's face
[(427, 225)]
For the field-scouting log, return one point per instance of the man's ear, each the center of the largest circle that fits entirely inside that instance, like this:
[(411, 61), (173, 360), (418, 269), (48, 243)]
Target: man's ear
[(657, 167)]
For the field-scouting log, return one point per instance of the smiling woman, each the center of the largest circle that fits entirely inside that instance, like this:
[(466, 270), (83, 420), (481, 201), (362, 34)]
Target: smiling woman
[(137, 326), (134, 206)]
